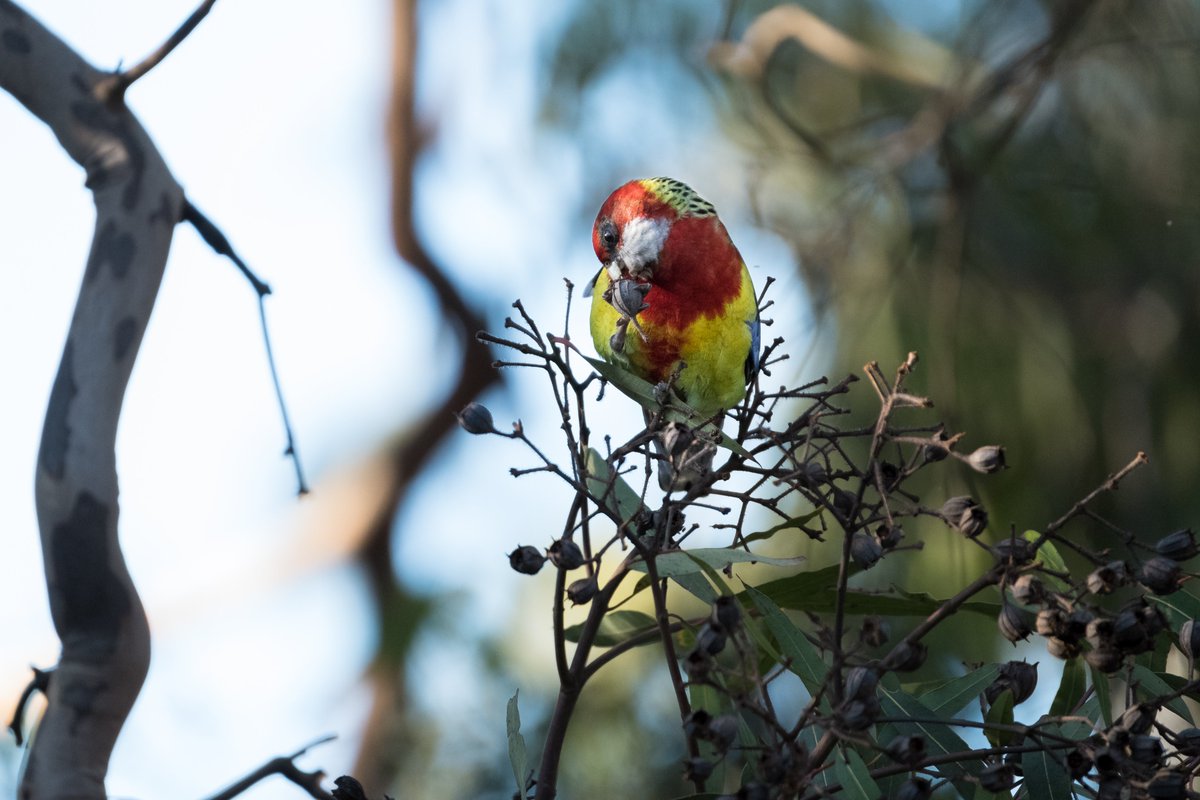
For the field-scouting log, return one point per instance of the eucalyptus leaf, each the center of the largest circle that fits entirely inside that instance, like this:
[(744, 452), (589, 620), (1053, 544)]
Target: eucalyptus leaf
[(852, 773), (1070, 688), (1044, 777), (802, 657), (616, 627), (911, 716), (517, 756), (947, 698), (1152, 685), (683, 562), (1000, 713), (606, 484)]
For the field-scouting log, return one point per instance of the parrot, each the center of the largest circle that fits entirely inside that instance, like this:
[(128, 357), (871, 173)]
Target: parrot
[(671, 272)]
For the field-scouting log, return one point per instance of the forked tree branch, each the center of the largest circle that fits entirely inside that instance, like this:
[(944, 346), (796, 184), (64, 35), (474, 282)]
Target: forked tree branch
[(95, 608)]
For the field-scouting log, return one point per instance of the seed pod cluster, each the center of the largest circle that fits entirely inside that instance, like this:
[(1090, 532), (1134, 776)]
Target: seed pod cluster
[(860, 704), (723, 622)]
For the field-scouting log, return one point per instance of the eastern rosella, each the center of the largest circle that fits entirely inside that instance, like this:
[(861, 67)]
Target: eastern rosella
[(673, 288)]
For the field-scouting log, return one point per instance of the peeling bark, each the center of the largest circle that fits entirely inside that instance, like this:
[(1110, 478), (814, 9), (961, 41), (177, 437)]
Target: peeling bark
[(95, 607)]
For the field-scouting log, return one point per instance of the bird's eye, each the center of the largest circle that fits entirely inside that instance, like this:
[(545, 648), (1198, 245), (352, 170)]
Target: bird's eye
[(608, 234)]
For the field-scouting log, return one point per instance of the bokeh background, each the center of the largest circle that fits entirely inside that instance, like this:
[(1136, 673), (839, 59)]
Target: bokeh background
[(1007, 186)]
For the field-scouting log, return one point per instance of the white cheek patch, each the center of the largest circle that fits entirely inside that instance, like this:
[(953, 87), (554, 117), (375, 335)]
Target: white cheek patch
[(642, 241)]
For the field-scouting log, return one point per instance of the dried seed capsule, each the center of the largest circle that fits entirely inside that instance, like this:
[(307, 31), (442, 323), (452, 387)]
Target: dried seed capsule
[(1100, 632), (998, 777), (1113, 787), (1137, 719), (1178, 546), (710, 640), (526, 559), (905, 657), (875, 631), (965, 514), (582, 591), (1106, 659), (889, 536), (1079, 763), (1168, 785), (1189, 639), (726, 613), (697, 769), (1152, 618), (1145, 749), (860, 683), (775, 765), (722, 731), (565, 554), (1050, 622), (987, 459), (1013, 623), (1077, 624), (1160, 575), (952, 510), (907, 749), (1023, 677), (1060, 648), (1129, 634), (843, 502), (1027, 590), (865, 550), (1012, 550), (858, 715), (914, 789), (1187, 741), (698, 664), (1104, 580), (475, 418)]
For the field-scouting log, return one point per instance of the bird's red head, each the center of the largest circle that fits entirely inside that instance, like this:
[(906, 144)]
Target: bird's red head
[(658, 230)]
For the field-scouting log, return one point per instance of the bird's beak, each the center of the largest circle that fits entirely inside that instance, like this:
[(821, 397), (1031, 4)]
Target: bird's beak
[(619, 268)]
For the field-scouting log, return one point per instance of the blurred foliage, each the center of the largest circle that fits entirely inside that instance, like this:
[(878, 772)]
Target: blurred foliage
[(1010, 191), (1007, 187)]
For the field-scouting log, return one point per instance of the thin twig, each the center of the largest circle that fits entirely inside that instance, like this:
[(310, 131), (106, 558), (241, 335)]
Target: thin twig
[(113, 90), (217, 240)]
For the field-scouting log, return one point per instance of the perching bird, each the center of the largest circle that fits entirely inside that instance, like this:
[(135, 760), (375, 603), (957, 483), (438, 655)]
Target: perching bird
[(673, 288)]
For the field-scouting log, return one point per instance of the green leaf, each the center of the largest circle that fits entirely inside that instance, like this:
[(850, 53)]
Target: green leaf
[(947, 698), (1000, 713), (698, 586), (803, 657), (1151, 686), (815, 592), (611, 487), (1070, 688), (911, 716), (683, 562), (1049, 557), (1103, 694), (853, 775), (616, 627), (791, 523), (675, 409), (809, 737), (1044, 777), (1179, 607), (516, 744)]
